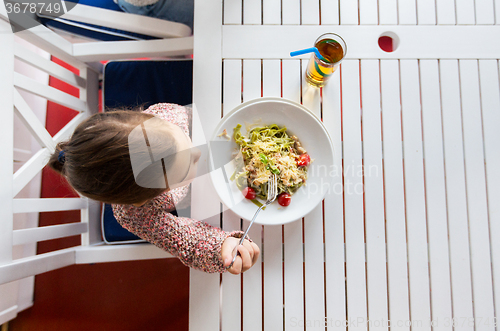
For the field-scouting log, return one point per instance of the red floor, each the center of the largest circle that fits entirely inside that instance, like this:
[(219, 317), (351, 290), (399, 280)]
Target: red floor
[(135, 295)]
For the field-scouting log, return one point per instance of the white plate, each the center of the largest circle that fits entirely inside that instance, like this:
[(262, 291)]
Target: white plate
[(299, 121)]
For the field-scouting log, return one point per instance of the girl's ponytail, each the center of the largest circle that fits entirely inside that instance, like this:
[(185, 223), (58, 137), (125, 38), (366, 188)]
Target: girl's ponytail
[(58, 158)]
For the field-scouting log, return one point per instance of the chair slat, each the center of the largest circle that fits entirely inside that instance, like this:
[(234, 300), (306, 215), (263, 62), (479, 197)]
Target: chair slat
[(252, 279), (334, 210), (329, 12), (25, 236), (490, 104), (49, 204), (348, 12), (456, 193), (353, 195), (232, 12), (416, 222), (293, 248), (388, 12), (271, 12), (476, 195), (313, 238), (368, 12), (485, 11), (29, 170), (374, 195), (426, 12), (407, 12), (394, 195), (310, 12), (435, 192), (252, 12), (465, 11)]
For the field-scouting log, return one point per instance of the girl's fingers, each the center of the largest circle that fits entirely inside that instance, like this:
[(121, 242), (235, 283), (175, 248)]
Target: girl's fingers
[(236, 268), (246, 259), (248, 245), (256, 254)]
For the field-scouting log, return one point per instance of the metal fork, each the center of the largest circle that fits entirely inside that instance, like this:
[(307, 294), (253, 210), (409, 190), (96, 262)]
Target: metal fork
[(272, 192)]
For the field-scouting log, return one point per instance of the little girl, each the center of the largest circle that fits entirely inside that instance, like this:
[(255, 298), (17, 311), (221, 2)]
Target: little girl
[(100, 162)]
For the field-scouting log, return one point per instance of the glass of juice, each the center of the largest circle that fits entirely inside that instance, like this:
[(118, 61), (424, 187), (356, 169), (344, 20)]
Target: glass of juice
[(333, 49)]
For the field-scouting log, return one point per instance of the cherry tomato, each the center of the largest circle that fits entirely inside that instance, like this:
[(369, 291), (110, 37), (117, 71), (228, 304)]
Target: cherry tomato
[(249, 193), (284, 199), (304, 160)]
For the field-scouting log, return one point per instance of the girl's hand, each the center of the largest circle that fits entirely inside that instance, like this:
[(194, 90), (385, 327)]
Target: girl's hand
[(248, 255)]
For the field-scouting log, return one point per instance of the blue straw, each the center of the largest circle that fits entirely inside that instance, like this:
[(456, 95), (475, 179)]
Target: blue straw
[(309, 50)]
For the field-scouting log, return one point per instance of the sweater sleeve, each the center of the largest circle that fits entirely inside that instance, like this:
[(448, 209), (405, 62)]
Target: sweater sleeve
[(197, 244)]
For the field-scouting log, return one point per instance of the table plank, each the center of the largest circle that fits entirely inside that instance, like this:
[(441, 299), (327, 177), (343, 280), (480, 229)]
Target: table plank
[(397, 272), (465, 11), (482, 290), (293, 249), (353, 196), (313, 238), (490, 104), (231, 284), (273, 248), (368, 12), (456, 193), (252, 12), (374, 195), (445, 12), (291, 12), (418, 271), (407, 11), (329, 12), (485, 12), (309, 12), (252, 279), (271, 11), (388, 12), (349, 12), (334, 211), (435, 193), (426, 12)]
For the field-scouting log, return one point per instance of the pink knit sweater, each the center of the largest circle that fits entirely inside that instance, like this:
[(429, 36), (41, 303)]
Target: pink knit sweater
[(197, 244)]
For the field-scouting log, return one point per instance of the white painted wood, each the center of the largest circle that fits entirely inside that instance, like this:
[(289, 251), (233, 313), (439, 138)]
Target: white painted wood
[(329, 12), (435, 193), (48, 66), (368, 12), (231, 284), (376, 276), (313, 238), (291, 12), (426, 12), (490, 104), (445, 12), (141, 24), (272, 241), (8, 314), (271, 11), (485, 12), (204, 289), (116, 253), (7, 139), (68, 129), (334, 210), (497, 11), (293, 248), (252, 12), (252, 279), (348, 12), (407, 10), (26, 236), (465, 11), (363, 41), (98, 51), (397, 275), (418, 271), (36, 265), (233, 12), (353, 196), (31, 122), (476, 194), (50, 93), (388, 11), (29, 170), (456, 193), (309, 12)]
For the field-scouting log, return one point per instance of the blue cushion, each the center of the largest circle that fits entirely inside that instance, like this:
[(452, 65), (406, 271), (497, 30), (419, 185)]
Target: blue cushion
[(132, 83), (90, 30)]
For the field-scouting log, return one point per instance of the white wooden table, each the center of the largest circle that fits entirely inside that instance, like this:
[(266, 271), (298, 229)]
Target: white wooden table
[(408, 234)]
